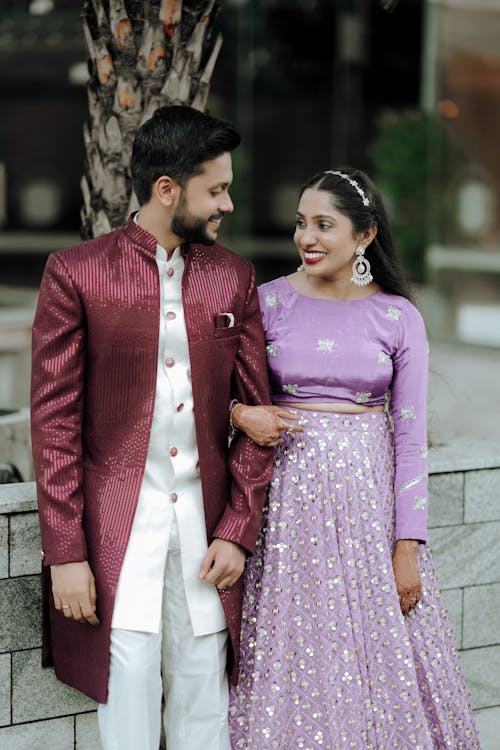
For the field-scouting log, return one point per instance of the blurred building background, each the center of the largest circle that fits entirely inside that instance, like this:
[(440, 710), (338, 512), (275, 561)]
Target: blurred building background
[(412, 96)]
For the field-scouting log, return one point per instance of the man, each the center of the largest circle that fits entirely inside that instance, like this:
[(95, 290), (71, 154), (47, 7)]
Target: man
[(141, 339)]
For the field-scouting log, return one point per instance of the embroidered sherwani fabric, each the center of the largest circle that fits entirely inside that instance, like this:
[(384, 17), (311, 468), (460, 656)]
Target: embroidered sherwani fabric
[(328, 661), (94, 375), (171, 487)]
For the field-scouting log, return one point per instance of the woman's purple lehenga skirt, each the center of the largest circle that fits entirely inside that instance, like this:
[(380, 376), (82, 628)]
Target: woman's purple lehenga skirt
[(328, 660)]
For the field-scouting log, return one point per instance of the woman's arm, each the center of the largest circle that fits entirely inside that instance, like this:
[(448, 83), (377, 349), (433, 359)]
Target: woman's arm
[(409, 413)]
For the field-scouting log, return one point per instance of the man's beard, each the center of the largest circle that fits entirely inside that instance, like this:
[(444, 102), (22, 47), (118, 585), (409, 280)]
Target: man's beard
[(191, 228)]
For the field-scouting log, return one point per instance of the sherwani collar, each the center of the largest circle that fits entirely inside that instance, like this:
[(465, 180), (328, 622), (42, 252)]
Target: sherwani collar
[(145, 239)]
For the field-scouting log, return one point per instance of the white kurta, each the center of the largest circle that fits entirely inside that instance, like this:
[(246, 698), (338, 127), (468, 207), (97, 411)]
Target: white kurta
[(171, 488)]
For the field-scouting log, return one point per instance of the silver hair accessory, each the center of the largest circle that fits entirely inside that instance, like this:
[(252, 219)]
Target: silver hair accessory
[(361, 275), (352, 182)]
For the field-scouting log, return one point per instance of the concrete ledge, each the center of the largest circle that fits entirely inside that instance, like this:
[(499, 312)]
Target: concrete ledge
[(87, 732), (4, 689), (481, 621), (40, 735), (38, 694), (482, 672), (18, 498), (20, 613), (466, 555), (448, 498), (481, 496), (25, 545), (488, 724), (4, 546), (463, 454)]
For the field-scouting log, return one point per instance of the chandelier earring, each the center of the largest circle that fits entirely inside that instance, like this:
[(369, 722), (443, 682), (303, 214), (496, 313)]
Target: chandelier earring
[(361, 274), (301, 267)]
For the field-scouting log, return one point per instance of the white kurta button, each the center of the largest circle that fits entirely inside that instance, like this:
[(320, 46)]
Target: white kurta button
[(170, 361), (170, 272), (173, 451), (180, 407), (174, 497), (171, 315)]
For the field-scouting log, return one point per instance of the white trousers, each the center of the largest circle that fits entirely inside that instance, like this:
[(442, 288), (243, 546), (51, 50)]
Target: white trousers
[(189, 672)]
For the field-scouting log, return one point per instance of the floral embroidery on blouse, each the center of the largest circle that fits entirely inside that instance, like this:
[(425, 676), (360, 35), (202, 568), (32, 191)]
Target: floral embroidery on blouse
[(325, 345), (293, 389), (394, 313), (419, 503), (383, 358), (271, 349), (408, 412), (363, 396), (271, 300)]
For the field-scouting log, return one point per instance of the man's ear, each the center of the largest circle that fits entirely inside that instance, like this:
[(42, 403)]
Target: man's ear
[(166, 190)]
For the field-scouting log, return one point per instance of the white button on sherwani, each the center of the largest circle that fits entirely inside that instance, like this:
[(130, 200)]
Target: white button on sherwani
[(171, 488)]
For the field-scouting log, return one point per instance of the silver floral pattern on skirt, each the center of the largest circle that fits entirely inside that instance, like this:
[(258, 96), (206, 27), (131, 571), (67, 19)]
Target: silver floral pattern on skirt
[(328, 661)]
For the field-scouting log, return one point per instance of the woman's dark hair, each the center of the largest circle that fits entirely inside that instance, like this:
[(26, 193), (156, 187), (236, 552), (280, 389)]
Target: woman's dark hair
[(386, 267), (175, 142)]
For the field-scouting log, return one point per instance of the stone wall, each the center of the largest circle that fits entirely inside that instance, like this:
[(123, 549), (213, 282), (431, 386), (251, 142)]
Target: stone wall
[(465, 540), (15, 445), (37, 712)]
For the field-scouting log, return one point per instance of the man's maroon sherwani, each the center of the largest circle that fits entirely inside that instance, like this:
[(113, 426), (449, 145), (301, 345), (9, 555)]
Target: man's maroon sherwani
[(95, 349)]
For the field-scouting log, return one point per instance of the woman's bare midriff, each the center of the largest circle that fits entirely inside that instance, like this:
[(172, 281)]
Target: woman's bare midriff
[(340, 407)]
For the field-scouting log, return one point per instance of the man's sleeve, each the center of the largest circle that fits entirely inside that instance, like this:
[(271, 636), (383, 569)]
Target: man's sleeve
[(249, 464), (57, 386)]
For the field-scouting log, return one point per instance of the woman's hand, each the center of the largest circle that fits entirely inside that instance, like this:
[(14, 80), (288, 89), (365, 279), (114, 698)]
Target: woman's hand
[(264, 424), (407, 573)]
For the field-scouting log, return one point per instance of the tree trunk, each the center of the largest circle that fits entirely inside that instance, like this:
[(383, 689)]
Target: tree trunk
[(142, 54)]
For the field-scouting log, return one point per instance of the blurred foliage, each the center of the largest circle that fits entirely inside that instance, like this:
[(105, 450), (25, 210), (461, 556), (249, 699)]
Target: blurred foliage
[(240, 220), (411, 154), (388, 4)]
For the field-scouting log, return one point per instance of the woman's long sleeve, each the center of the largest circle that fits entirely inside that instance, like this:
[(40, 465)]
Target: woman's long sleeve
[(409, 414)]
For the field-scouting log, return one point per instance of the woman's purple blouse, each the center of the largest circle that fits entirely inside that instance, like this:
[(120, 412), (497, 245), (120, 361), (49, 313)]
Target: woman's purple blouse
[(371, 351)]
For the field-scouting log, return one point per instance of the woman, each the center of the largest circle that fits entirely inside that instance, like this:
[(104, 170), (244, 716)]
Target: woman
[(345, 641)]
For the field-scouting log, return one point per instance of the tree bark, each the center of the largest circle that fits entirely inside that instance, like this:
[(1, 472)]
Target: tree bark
[(143, 54)]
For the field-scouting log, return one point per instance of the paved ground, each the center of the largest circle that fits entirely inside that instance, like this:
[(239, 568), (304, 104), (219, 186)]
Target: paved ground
[(464, 392)]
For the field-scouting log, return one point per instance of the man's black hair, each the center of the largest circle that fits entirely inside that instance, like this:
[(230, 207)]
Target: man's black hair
[(175, 142)]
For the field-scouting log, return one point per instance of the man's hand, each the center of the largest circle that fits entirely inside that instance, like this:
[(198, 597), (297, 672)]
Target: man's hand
[(407, 573), (264, 424), (73, 587), (223, 563)]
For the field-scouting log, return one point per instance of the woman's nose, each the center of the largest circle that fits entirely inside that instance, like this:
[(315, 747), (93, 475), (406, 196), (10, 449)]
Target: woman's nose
[(307, 237)]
